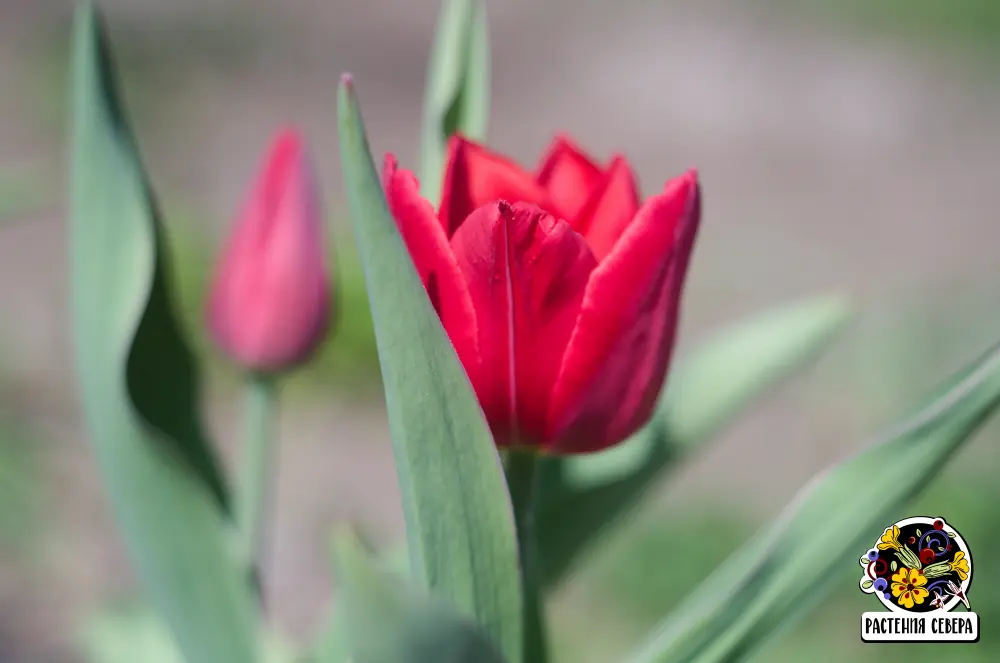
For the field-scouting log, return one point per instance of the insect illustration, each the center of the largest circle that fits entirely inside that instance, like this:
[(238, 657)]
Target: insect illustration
[(957, 591)]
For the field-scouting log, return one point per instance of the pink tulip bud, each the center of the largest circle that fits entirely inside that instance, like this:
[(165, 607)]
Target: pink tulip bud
[(269, 305)]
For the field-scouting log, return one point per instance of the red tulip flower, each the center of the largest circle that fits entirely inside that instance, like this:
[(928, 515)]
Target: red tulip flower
[(269, 304), (559, 290)]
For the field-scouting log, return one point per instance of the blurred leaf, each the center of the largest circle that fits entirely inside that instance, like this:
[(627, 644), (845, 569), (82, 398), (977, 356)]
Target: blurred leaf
[(133, 634), (459, 525), (457, 97), (389, 622), (789, 568), (137, 378), (584, 494), (332, 645)]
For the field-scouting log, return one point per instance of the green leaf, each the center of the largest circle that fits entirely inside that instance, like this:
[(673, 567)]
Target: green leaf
[(459, 525), (789, 568), (457, 97), (389, 622), (137, 378), (585, 494), (867, 584), (331, 646)]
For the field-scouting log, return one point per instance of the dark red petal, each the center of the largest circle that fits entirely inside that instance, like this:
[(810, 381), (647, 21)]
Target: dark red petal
[(475, 176), (620, 349), (569, 176), (611, 208), (527, 272), (434, 260)]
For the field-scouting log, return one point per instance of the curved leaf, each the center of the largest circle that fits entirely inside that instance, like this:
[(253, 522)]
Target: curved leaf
[(789, 567), (137, 378), (459, 525), (583, 495), (457, 96)]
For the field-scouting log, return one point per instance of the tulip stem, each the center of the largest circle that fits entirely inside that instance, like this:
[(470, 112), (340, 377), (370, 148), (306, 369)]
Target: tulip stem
[(521, 468), (259, 420)]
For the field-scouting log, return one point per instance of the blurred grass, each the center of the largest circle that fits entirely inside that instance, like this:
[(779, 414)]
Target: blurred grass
[(20, 490), (902, 350), (651, 571), (19, 195), (968, 28)]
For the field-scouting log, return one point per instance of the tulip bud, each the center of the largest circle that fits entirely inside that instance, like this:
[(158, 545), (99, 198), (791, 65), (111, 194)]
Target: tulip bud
[(269, 305)]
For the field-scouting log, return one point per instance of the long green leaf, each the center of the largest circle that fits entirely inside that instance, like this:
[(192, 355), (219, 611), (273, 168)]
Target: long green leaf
[(457, 97), (789, 567), (459, 525), (137, 378), (583, 495), (389, 622)]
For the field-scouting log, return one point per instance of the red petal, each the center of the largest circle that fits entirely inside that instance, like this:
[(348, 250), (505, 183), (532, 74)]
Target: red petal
[(527, 273), (569, 176), (434, 260), (475, 176), (611, 208), (618, 355)]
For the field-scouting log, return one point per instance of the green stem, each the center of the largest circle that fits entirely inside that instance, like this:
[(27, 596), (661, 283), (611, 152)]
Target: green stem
[(522, 480), (259, 422)]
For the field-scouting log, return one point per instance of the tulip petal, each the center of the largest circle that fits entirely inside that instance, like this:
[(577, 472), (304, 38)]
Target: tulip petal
[(527, 273), (610, 209), (569, 176), (476, 176), (620, 348), (270, 299), (432, 256)]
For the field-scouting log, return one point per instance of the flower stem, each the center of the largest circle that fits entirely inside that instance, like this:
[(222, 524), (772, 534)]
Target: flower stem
[(259, 417), (522, 480)]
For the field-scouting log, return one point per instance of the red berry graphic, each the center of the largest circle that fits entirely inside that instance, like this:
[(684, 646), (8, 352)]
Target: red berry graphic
[(938, 524), (926, 556)]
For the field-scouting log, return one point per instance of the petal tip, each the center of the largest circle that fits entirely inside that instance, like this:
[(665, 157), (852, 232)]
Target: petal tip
[(288, 139), (390, 163), (687, 185)]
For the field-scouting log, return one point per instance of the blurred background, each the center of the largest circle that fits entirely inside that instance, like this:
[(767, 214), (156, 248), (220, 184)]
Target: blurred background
[(843, 144)]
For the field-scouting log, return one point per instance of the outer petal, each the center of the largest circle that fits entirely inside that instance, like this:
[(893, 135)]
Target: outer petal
[(269, 302), (569, 176), (611, 208), (617, 357), (475, 176), (527, 273), (434, 260)]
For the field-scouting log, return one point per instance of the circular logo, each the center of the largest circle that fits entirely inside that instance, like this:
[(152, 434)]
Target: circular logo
[(918, 565)]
